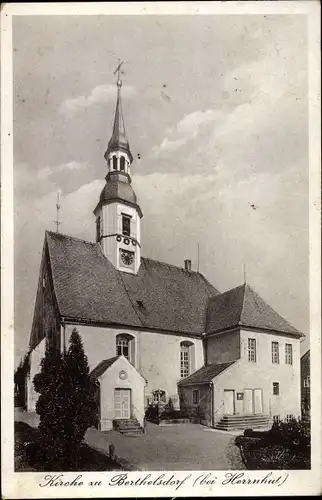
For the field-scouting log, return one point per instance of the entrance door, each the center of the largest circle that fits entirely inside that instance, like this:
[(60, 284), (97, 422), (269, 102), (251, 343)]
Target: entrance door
[(258, 401), (248, 401), (229, 407), (122, 403)]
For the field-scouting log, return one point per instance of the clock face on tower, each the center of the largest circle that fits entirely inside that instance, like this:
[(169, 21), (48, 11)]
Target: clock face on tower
[(127, 257)]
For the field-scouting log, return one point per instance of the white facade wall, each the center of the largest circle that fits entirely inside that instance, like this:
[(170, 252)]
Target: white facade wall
[(109, 381), (111, 216), (157, 355), (35, 359)]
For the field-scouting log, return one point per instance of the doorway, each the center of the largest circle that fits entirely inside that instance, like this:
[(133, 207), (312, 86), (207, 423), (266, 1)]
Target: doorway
[(122, 403), (253, 401), (248, 401), (258, 401), (229, 402)]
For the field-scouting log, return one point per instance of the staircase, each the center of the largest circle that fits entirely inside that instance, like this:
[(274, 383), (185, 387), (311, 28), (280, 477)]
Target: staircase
[(128, 426), (234, 422)]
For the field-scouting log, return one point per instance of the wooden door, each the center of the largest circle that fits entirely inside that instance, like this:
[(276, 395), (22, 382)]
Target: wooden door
[(258, 401), (122, 403), (248, 401), (229, 406)]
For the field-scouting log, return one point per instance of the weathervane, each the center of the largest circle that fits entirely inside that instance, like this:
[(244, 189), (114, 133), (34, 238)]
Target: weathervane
[(57, 221), (119, 73)]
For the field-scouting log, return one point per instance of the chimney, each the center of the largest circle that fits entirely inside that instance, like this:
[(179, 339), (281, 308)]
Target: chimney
[(187, 264)]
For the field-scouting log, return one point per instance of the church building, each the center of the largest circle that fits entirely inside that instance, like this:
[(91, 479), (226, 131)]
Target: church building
[(150, 328)]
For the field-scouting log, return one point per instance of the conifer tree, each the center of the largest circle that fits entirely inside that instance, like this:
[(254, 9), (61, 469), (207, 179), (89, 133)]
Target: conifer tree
[(79, 397), (50, 382)]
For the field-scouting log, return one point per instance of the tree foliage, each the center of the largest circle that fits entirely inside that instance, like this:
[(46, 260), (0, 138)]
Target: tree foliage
[(65, 405)]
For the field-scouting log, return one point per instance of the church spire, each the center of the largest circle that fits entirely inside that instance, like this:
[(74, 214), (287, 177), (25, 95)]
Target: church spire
[(118, 141)]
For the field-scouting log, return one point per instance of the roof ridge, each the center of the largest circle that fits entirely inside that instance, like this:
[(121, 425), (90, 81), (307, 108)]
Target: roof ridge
[(53, 233), (169, 265)]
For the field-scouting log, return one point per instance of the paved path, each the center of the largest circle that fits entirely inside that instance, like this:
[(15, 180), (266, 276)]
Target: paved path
[(179, 447)]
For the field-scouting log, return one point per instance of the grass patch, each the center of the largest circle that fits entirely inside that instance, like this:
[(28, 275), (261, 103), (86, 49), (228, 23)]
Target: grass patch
[(26, 447)]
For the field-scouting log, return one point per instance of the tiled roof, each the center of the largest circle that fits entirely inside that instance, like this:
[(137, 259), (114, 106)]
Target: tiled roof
[(205, 374), (242, 306), (160, 296), (102, 367)]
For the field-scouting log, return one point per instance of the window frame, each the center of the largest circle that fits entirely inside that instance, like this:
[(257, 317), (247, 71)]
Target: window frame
[(122, 164), (276, 385), (125, 341), (275, 352), (114, 162), (126, 231), (252, 350), (184, 360), (288, 354), (195, 392)]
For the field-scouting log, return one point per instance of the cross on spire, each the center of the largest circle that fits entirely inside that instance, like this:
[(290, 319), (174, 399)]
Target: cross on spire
[(119, 73), (57, 221)]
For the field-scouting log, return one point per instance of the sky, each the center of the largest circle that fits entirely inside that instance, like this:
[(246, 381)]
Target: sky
[(216, 108)]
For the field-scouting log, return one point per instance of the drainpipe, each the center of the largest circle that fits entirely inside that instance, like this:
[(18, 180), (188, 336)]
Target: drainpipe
[(212, 416)]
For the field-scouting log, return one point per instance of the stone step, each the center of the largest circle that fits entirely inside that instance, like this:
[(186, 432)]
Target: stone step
[(245, 417)]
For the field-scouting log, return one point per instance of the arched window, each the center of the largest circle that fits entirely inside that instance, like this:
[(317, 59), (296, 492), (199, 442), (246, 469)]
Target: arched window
[(125, 345), (187, 358), (122, 163), (114, 163)]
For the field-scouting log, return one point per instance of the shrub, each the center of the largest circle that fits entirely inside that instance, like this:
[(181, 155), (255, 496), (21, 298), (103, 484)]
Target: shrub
[(293, 434)]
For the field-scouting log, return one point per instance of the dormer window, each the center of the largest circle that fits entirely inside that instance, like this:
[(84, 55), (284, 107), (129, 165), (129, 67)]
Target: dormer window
[(122, 164), (126, 225)]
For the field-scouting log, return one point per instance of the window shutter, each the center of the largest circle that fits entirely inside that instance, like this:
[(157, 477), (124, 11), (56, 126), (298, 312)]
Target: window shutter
[(192, 358)]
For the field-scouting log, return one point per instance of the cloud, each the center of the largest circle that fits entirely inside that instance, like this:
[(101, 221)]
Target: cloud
[(47, 171), (185, 130), (100, 94)]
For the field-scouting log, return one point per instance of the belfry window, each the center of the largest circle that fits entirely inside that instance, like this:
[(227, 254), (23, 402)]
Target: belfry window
[(126, 225), (122, 164), (114, 163)]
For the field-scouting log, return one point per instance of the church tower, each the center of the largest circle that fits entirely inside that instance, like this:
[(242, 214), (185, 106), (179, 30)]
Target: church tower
[(117, 213)]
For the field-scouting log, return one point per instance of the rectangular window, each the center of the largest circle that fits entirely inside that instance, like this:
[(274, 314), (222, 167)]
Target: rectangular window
[(288, 354), (276, 388), (307, 381), (276, 418), (252, 350), (275, 353), (195, 397), (289, 417), (126, 225)]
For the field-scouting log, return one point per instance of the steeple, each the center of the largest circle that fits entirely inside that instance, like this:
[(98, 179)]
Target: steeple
[(118, 213), (118, 140)]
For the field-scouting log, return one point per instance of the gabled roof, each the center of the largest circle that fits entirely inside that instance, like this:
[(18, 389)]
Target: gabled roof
[(89, 288), (242, 306), (205, 374), (102, 367), (306, 355)]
